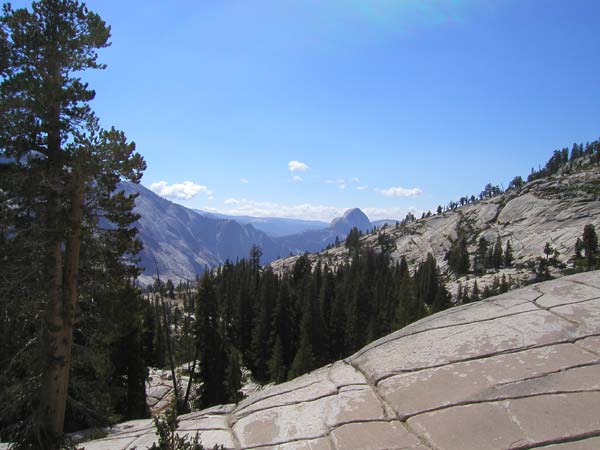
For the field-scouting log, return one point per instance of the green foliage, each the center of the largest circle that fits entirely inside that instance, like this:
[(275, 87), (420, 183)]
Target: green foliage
[(299, 321), (459, 260), (587, 254), (66, 234), (508, 255), (353, 239), (169, 439), (590, 245), (210, 342)]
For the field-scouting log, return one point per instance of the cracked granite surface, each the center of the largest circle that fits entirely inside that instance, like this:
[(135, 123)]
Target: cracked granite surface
[(518, 371)]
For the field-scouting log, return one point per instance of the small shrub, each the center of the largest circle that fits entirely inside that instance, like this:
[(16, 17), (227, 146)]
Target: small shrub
[(168, 439)]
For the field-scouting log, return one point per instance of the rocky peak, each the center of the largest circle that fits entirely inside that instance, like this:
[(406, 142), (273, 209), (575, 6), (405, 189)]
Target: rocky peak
[(351, 218)]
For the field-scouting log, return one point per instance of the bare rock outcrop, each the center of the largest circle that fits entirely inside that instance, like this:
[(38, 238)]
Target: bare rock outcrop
[(517, 371), (553, 210)]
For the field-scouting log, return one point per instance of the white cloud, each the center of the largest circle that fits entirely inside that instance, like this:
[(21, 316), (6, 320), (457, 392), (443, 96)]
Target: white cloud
[(355, 180), (297, 178), (399, 192), (362, 188), (390, 213), (297, 166), (180, 191), (341, 182), (244, 181), (245, 207)]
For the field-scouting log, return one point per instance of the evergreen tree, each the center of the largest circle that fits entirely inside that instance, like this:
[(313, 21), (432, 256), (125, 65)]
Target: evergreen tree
[(427, 280), (304, 360), (508, 255), (281, 327), (233, 377), (590, 245), (548, 250), (276, 365), (262, 325), (320, 337), (504, 286), (210, 345), (458, 257), (516, 183), (353, 239), (170, 288), (481, 256), (68, 166), (134, 368), (497, 257)]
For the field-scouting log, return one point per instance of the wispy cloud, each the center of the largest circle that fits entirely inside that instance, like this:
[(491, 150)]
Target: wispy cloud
[(246, 207), (244, 181), (297, 166), (296, 178), (362, 188), (340, 182), (398, 191), (390, 213), (180, 191)]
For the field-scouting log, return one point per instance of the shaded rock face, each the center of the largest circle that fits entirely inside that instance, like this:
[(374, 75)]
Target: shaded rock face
[(183, 243), (272, 226), (553, 210), (517, 371)]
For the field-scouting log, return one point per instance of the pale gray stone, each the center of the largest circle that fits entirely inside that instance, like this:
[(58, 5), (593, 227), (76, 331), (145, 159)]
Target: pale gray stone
[(374, 436), (453, 384), (521, 370)]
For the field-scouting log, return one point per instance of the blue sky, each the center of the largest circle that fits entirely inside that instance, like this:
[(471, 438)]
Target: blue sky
[(385, 105)]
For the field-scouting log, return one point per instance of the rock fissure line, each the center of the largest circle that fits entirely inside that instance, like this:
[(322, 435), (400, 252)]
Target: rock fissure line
[(575, 303), (272, 444), (297, 402), (504, 405), (485, 356), (583, 284), (422, 439), (563, 440), (234, 437), (116, 438), (137, 430), (549, 308), (388, 411), (442, 327), (585, 349), (500, 399), (552, 372), (266, 397)]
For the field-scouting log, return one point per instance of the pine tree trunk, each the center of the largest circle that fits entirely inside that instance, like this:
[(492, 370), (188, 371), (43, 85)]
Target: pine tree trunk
[(60, 315)]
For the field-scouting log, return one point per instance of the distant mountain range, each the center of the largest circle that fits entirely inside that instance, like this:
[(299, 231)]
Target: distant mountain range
[(273, 226), (180, 242)]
